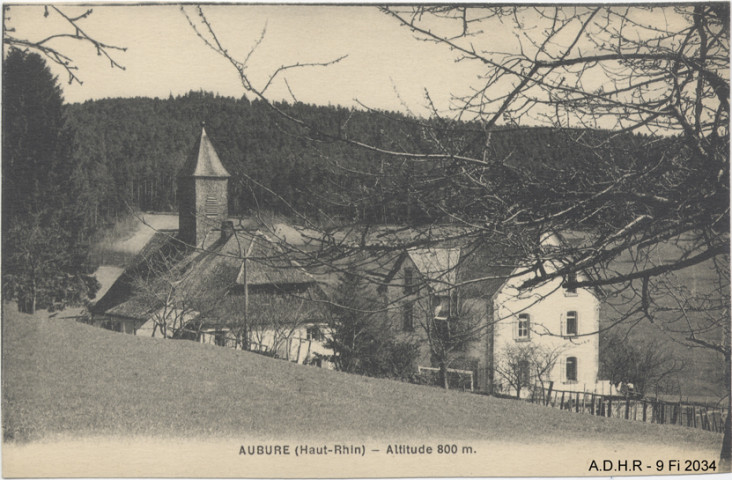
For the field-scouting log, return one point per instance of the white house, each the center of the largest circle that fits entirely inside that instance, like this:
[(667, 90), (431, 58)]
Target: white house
[(544, 334)]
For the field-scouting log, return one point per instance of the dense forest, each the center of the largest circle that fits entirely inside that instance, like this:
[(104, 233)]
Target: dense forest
[(69, 170), (127, 154)]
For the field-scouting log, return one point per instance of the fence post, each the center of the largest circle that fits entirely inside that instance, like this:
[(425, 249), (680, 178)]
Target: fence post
[(584, 402), (627, 406), (561, 403), (576, 403), (549, 395), (644, 410), (609, 407), (663, 413)]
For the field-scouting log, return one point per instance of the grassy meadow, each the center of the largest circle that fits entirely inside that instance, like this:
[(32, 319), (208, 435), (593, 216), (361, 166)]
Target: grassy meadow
[(61, 378)]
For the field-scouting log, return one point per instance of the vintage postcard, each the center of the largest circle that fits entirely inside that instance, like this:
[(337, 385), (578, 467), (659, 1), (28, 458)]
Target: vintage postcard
[(348, 241)]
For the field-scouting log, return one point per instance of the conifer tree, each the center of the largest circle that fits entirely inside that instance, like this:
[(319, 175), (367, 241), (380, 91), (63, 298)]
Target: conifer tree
[(43, 259)]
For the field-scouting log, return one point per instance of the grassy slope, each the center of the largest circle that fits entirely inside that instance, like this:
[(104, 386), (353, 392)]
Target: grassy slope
[(65, 378)]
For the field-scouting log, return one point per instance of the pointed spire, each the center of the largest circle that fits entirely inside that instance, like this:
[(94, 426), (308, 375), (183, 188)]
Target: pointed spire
[(204, 162)]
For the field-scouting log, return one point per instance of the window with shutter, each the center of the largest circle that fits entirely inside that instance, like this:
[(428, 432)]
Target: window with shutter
[(563, 370), (524, 373), (408, 281), (562, 324), (571, 278), (441, 305), (523, 327), (571, 369), (314, 333), (212, 206), (571, 324), (408, 317)]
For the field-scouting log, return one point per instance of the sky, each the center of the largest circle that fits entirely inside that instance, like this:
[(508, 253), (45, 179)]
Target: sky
[(385, 66)]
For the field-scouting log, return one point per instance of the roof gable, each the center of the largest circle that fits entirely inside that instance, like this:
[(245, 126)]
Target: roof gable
[(437, 265)]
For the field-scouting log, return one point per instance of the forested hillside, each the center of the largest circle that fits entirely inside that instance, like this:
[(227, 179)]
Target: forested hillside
[(128, 153)]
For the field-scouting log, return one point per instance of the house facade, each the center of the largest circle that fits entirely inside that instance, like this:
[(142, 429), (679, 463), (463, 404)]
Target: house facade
[(425, 304), (517, 339), (544, 334)]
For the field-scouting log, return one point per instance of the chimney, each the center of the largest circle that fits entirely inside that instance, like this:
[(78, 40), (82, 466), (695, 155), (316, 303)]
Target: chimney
[(227, 229)]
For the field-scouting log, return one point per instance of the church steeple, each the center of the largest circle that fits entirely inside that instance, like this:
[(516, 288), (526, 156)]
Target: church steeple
[(202, 194)]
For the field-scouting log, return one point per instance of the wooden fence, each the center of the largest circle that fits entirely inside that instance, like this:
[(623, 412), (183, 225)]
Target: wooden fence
[(643, 410)]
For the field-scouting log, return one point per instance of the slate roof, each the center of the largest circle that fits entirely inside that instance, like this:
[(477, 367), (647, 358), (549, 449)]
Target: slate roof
[(210, 274), (477, 269), (205, 161), (268, 265), (138, 308), (267, 309), (162, 249), (483, 269)]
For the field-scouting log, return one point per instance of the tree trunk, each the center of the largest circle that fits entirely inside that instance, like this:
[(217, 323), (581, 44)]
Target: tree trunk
[(32, 307), (725, 457), (443, 372)]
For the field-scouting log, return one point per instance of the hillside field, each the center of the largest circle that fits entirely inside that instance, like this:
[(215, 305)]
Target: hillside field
[(64, 382), (62, 377)]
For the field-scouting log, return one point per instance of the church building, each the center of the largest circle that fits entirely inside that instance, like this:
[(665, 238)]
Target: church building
[(216, 279), (203, 187)]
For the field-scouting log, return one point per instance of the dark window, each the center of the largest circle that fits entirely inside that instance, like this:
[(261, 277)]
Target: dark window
[(408, 317), (571, 328), (442, 329), (314, 333), (524, 373), (220, 339), (523, 327), (571, 369), (408, 281), (571, 278), (441, 305)]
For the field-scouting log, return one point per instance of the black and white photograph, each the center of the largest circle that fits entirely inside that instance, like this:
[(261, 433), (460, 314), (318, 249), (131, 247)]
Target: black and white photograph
[(253, 240)]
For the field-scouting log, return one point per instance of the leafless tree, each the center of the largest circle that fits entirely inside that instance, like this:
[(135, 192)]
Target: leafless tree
[(642, 364), (49, 43), (165, 292), (450, 334), (656, 76), (523, 365), (273, 322)]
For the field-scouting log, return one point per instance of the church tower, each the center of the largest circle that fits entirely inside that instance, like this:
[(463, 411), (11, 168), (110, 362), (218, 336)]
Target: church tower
[(202, 195)]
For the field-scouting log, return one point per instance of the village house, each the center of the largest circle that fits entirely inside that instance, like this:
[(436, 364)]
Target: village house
[(422, 303), (217, 280), (518, 337), (545, 334)]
